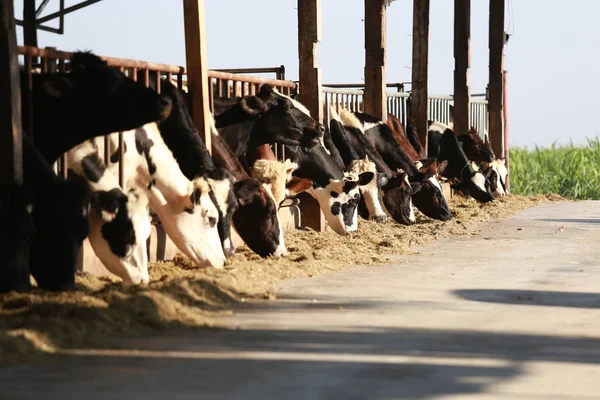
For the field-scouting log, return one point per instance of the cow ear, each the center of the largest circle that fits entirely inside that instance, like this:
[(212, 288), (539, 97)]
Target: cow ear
[(442, 167), (297, 185), (58, 86), (246, 190), (195, 196), (252, 105), (365, 178)]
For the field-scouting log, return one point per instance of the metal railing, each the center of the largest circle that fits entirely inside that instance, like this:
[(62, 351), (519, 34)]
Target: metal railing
[(479, 116)]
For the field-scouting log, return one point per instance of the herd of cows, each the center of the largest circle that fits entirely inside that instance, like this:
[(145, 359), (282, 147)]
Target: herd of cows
[(357, 165)]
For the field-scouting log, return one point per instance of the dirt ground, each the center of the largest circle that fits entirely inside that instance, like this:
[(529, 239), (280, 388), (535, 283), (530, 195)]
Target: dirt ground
[(39, 324)]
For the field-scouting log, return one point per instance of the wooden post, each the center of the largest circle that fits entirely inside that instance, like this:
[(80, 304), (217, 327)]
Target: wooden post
[(29, 23), (496, 46), (309, 34), (375, 101), (11, 142), (418, 101), (462, 62), (506, 136), (196, 62)]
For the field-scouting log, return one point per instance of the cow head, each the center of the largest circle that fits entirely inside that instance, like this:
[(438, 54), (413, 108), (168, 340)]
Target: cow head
[(371, 209), (277, 174), (495, 173), (100, 99), (190, 220), (223, 196), (339, 199), (17, 231), (280, 119), (475, 149), (428, 197), (472, 182), (61, 219), (397, 198), (256, 219), (119, 230)]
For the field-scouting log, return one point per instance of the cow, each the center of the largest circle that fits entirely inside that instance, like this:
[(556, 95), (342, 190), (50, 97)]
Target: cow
[(184, 206), (61, 221), (183, 139), (240, 200), (278, 174), (268, 117), (496, 174), (388, 156), (471, 143), (454, 164), (64, 110), (382, 191), (119, 221), (256, 219)]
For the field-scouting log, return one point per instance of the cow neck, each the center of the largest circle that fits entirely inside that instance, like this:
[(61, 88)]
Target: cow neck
[(333, 150), (225, 158), (314, 164), (452, 153), (338, 136), (182, 138), (364, 149), (382, 138)]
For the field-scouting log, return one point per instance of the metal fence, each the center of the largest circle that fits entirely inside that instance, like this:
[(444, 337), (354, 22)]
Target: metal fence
[(223, 84), (439, 108)]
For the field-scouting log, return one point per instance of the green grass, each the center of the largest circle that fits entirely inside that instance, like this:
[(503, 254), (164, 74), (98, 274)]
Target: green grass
[(569, 171)]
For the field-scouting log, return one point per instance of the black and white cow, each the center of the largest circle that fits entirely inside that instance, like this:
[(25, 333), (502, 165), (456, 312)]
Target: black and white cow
[(183, 139), (383, 190), (65, 109), (428, 196), (268, 117), (61, 221), (496, 173), (240, 200), (184, 206), (454, 164), (119, 221)]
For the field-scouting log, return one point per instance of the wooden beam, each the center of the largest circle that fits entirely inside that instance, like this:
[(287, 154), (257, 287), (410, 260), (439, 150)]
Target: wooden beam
[(418, 100), (309, 35), (496, 46), (462, 62), (196, 62), (29, 23), (11, 142), (375, 101), (506, 132)]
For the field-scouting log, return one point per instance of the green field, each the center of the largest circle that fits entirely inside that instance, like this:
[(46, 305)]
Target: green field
[(570, 171)]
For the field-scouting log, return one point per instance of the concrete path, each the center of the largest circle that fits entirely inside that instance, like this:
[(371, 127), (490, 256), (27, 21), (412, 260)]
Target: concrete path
[(513, 314)]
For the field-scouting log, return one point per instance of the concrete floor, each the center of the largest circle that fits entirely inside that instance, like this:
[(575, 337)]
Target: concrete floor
[(511, 314)]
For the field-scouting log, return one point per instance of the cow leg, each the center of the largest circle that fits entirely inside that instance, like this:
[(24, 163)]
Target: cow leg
[(16, 233)]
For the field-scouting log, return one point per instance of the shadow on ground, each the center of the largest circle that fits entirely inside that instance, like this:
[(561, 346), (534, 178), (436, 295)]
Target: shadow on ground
[(358, 364), (532, 297)]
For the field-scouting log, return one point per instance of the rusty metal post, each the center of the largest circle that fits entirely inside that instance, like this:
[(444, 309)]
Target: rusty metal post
[(11, 130)]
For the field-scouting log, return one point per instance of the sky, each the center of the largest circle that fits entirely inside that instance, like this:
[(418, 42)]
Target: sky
[(551, 58)]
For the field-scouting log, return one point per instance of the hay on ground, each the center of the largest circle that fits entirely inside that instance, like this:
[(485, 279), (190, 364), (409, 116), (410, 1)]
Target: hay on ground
[(180, 296)]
